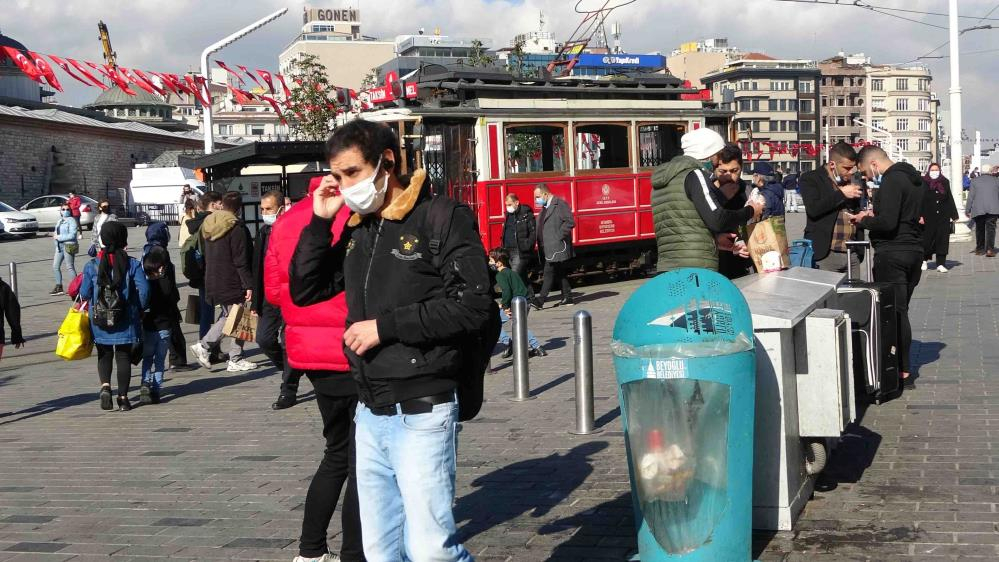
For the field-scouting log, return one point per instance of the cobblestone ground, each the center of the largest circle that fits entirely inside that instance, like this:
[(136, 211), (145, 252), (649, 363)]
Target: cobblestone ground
[(213, 473)]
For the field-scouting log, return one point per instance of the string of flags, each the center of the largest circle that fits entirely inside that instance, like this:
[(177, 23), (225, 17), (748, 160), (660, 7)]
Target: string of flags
[(754, 149)]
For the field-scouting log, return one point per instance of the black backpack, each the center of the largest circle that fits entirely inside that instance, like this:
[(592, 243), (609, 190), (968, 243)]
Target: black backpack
[(109, 309), (476, 347), (192, 260)]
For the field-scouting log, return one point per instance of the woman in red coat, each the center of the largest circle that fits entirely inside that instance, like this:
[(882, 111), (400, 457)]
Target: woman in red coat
[(314, 345)]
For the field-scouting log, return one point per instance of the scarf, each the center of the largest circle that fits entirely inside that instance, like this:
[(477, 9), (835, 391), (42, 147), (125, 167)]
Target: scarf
[(112, 260), (937, 185)]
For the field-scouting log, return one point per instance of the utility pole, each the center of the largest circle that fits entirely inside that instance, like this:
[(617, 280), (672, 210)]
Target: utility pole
[(961, 230)]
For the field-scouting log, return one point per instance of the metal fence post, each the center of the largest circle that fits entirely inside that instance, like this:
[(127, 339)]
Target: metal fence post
[(521, 353), (582, 328), (13, 278)]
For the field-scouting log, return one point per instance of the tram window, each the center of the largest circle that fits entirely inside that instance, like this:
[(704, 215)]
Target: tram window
[(658, 143), (602, 146), (534, 149)]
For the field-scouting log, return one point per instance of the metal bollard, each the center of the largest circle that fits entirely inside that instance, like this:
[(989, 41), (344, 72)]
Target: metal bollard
[(521, 374), (582, 327), (13, 278)]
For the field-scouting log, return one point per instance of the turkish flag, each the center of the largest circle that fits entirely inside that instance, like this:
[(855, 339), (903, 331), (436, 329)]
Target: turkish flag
[(277, 108), (242, 98), (87, 74), (112, 74), (43, 66), (287, 92), (203, 91), (139, 74), (22, 62), (267, 78), (194, 88), (136, 80), (167, 83), (230, 71), (65, 68), (250, 74)]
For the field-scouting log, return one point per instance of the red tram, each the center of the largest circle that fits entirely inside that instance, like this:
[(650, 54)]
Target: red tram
[(482, 135)]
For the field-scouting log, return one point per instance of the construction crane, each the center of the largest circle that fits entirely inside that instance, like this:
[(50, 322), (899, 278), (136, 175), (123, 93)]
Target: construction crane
[(592, 24), (110, 57)]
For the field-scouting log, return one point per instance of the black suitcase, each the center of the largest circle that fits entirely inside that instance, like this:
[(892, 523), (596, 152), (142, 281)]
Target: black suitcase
[(874, 320)]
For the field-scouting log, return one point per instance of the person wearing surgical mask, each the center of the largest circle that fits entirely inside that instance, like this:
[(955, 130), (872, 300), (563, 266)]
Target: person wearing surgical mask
[(66, 248), (270, 323), (939, 215), (415, 278), (555, 224), (519, 237)]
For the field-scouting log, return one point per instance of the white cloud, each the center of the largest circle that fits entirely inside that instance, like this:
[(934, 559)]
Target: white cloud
[(169, 35)]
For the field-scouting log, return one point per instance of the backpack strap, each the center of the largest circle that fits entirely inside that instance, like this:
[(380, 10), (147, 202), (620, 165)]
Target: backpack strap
[(438, 220)]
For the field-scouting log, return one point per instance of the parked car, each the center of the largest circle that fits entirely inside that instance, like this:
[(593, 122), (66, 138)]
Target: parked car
[(46, 210), (16, 222)]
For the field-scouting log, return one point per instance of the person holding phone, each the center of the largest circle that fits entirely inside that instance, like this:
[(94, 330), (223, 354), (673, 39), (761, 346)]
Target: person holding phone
[(829, 193)]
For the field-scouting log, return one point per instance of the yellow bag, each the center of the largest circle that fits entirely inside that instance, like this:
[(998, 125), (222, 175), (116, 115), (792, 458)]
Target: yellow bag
[(75, 340)]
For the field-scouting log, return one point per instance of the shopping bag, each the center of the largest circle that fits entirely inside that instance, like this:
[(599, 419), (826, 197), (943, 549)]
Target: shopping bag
[(767, 242), (75, 340), (192, 315), (241, 324)]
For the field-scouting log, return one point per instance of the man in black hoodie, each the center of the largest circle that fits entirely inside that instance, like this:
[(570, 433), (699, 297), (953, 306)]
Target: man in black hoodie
[(895, 233)]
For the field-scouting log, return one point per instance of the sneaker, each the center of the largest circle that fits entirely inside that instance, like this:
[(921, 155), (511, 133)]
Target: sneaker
[(284, 401), (941, 269), (201, 354), (57, 291), (324, 558), (105, 397), (508, 353), (923, 267), (538, 352), (144, 396), (240, 365)]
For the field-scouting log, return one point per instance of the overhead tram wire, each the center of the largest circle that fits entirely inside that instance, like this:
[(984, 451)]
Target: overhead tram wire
[(858, 4), (945, 43)]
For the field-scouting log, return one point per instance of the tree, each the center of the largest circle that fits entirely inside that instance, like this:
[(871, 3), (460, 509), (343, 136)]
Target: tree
[(312, 107), (479, 56), (515, 60), (370, 80)]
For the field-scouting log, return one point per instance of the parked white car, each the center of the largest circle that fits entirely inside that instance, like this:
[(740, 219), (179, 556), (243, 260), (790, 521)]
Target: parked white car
[(15, 222), (46, 210)]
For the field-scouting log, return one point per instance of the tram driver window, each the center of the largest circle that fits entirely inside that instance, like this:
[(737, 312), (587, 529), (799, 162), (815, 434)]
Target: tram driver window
[(599, 147), (532, 149), (658, 143)]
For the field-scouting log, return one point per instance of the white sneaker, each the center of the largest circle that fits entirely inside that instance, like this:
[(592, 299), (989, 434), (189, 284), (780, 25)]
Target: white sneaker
[(241, 365), (941, 269), (324, 558), (202, 355), (923, 267)]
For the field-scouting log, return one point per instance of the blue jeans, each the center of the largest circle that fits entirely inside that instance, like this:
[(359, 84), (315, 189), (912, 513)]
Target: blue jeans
[(154, 349), (504, 338), (405, 485), (70, 259)]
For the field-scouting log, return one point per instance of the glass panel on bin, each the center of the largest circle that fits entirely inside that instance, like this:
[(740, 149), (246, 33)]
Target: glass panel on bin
[(678, 436)]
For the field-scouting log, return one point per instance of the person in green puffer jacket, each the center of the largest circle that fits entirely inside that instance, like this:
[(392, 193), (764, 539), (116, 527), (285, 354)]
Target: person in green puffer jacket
[(690, 226)]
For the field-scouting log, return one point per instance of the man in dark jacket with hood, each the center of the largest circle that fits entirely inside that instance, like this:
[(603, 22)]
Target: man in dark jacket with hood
[(554, 232), (228, 277), (895, 233)]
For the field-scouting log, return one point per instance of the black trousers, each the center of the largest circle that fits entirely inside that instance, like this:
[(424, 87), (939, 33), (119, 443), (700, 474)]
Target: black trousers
[(936, 240), (336, 469), (519, 262), (555, 272), (270, 332), (985, 232), (109, 356), (178, 344), (901, 269)]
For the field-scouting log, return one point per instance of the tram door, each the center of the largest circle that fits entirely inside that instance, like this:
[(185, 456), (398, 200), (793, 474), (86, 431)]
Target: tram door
[(449, 159)]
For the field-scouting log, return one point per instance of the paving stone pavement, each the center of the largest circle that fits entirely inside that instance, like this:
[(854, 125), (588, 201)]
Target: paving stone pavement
[(214, 474)]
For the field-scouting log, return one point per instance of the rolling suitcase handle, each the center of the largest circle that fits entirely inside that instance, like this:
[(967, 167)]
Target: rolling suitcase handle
[(863, 246)]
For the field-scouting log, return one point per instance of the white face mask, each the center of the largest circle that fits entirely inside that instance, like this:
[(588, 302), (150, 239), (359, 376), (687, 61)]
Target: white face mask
[(363, 197), (269, 219), (934, 175), (511, 209)]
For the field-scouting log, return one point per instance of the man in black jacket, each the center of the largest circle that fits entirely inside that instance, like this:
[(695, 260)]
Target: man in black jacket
[(228, 277), (896, 234), (519, 237), (208, 203), (11, 310), (407, 310), (826, 192), (270, 323)]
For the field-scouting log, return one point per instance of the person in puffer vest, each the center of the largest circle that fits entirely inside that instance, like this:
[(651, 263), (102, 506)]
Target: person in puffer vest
[(690, 226)]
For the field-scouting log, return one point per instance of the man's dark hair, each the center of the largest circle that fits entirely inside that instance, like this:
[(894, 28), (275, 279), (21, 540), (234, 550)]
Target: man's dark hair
[(843, 151), (870, 152), (156, 258), (232, 201), (370, 138), (208, 199), (500, 255), (730, 153), (274, 194)]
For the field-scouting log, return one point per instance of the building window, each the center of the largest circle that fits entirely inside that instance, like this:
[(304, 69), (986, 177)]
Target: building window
[(535, 149), (781, 85), (257, 130), (903, 144), (805, 86), (772, 105), (744, 85), (878, 104), (924, 124), (902, 124), (924, 145), (878, 124), (841, 121), (878, 85), (807, 166), (806, 126), (792, 105), (841, 102), (825, 101), (923, 104), (860, 81), (923, 84), (902, 104), (901, 84), (838, 81), (806, 106), (602, 146), (824, 120), (225, 129)]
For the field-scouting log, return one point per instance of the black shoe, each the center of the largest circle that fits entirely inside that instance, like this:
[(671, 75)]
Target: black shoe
[(539, 352), (537, 304), (123, 404), (182, 368), (284, 401), (508, 353), (154, 395), (105, 398), (57, 291), (144, 395)]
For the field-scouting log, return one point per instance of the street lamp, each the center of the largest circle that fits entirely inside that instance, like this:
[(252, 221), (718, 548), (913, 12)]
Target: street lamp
[(893, 147), (214, 48), (961, 230)]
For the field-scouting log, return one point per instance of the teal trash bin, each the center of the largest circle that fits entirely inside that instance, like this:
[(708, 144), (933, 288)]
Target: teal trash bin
[(684, 357)]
